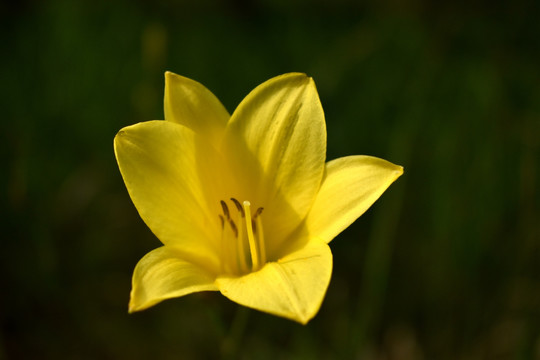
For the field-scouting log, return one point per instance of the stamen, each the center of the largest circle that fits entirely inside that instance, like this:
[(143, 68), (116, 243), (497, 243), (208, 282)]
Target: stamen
[(227, 251), (241, 231), (224, 250), (222, 221), (257, 213), (225, 209), (260, 237), (253, 246), (241, 248), (234, 228), (238, 206)]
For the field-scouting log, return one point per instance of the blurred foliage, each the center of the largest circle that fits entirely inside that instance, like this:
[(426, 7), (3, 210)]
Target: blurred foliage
[(446, 265)]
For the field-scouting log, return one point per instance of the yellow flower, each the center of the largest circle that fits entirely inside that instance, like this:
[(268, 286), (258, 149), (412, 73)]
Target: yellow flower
[(243, 204)]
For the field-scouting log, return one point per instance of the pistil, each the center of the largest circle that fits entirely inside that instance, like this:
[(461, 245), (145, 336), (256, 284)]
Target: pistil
[(253, 245)]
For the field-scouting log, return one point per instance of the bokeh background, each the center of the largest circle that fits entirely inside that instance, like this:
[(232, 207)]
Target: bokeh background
[(446, 265)]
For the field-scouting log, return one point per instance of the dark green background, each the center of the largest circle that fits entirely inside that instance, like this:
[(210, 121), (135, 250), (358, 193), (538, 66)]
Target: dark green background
[(446, 265)]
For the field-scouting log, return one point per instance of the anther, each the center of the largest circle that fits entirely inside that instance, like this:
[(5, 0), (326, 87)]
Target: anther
[(233, 227), (238, 206), (258, 212), (225, 209), (222, 221)]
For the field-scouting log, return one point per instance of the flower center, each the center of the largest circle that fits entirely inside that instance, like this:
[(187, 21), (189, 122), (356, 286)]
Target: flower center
[(242, 238)]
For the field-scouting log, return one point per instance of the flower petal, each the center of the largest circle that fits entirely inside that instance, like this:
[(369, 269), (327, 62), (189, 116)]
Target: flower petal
[(350, 186), (281, 124), (293, 287), (163, 274), (189, 103), (168, 171)]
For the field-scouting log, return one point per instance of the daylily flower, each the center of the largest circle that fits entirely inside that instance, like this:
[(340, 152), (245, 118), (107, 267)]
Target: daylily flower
[(243, 204)]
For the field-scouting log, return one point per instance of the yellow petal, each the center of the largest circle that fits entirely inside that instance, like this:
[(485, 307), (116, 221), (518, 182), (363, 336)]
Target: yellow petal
[(189, 103), (163, 274), (168, 171), (293, 287), (350, 186), (281, 124)]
